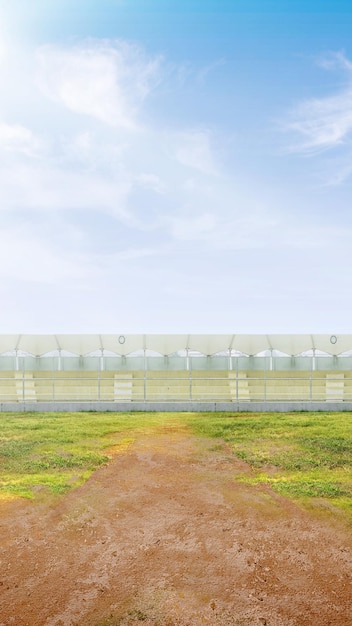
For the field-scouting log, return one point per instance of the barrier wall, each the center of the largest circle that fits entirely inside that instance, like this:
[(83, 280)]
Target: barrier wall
[(176, 386)]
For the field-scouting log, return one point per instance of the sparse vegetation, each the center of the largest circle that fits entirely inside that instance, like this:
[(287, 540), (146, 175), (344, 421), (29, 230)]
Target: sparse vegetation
[(57, 451), (306, 456), (301, 455)]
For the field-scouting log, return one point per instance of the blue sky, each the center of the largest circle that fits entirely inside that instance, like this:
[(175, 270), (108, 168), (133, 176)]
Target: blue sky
[(175, 166)]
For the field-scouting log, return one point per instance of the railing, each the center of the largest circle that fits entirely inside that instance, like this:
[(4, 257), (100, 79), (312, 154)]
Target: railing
[(150, 386)]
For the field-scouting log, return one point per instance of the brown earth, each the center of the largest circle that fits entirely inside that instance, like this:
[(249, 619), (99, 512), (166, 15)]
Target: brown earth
[(163, 535)]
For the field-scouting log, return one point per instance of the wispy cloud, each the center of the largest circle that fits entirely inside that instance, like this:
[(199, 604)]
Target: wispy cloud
[(102, 201), (324, 123), (107, 80), (17, 138), (47, 188), (208, 69), (194, 228), (39, 261), (193, 149)]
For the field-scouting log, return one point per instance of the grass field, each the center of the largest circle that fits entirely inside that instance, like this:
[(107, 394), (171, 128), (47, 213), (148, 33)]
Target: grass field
[(304, 456)]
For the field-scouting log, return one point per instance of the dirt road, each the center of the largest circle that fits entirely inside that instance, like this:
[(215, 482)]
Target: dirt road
[(164, 536)]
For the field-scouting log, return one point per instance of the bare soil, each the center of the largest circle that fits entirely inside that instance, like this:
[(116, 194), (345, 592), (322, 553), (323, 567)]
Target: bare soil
[(164, 536)]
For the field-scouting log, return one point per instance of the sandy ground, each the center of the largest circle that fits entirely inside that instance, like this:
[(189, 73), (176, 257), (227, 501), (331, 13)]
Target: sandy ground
[(164, 536)]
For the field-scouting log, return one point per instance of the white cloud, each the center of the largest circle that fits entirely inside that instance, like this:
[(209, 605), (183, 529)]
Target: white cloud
[(26, 256), (48, 188), (119, 216), (82, 144), (341, 173), (208, 69), (324, 123), (102, 79), (193, 150), (335, 61), (153, 182), (193, 228), (17, 138), (131, 254)]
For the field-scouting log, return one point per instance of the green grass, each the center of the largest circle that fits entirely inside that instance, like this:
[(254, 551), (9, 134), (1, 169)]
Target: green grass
[(60, 451), (305, 456)]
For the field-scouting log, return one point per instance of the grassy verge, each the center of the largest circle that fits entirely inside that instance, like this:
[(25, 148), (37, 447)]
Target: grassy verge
[(305, 456), (60, 451)]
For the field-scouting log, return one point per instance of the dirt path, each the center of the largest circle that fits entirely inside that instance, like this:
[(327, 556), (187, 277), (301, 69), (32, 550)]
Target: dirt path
[(164, 536)]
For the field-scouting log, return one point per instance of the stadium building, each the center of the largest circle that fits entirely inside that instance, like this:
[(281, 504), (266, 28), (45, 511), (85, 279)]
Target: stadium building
[(175, 372)]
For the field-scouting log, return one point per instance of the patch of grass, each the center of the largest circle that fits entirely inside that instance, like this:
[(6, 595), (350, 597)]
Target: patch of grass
[(59, 451), (304, 456)]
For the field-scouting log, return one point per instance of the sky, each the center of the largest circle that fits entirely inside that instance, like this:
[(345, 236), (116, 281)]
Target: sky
[(175, 166)]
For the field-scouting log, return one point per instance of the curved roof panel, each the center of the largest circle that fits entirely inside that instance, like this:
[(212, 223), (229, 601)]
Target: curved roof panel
[(165, 344)]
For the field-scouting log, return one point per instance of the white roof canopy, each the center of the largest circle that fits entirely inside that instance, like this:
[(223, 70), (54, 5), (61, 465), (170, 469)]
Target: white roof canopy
[(124, 344)]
